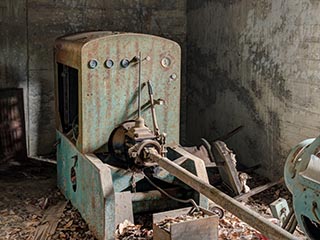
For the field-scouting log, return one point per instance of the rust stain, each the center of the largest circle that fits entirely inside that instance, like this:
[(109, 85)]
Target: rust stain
[(110, 94), (296, 153)]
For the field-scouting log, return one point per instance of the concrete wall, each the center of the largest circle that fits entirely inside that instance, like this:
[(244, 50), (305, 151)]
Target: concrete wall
[(257, 64), (28, 30), (13, 45)]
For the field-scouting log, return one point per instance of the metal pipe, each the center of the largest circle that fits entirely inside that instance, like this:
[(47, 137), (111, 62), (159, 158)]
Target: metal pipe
[(153, 111), (155, 195), (247, 215), (139, 87)]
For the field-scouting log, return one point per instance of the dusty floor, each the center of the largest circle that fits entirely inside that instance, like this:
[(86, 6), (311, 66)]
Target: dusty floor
[(27, 192)]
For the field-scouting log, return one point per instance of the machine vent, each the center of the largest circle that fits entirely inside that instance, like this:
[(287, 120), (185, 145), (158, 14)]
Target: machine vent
[(68, 98)]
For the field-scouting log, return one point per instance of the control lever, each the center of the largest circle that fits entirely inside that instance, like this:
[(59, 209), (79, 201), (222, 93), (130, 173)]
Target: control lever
[(153, 111)]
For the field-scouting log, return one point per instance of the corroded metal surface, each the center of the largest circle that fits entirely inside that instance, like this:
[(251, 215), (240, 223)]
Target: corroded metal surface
[(98, 190), (104, 193), (195, 229), (89, 195), (88, 184), (302, 177), (108, 96), (226, 162)]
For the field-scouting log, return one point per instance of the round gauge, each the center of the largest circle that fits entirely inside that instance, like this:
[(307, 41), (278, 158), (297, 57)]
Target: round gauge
[(93, 63), (124, 63), (109, 63), (165, 62)]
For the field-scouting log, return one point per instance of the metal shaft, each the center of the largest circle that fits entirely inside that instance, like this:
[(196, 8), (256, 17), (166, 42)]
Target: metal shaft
[(153, 110), (139, 87), (247, 215)]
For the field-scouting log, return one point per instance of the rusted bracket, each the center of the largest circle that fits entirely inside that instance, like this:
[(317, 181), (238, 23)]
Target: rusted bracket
[(226, 163)]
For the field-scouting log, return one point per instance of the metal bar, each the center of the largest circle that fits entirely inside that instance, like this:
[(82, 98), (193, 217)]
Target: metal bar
[(40, 159), (153, 111), (229, 135), (247, 215), (154, 194), (139, 88)]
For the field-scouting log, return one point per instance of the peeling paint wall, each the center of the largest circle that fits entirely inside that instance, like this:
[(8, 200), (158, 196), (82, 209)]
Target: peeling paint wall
[(28, 30), (256, 64)]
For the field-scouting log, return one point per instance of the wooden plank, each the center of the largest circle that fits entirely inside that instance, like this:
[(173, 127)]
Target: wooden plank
[(257, 190), (49, 221)]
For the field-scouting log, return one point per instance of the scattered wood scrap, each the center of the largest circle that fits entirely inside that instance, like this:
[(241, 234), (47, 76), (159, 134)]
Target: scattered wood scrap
[(49, 221), (130, 231)]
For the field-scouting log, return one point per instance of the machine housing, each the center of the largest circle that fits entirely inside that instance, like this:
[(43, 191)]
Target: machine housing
[(97, 94), (302, 177)]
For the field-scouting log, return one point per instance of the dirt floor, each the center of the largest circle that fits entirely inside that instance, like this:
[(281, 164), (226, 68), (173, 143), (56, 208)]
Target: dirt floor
[(29, 191)]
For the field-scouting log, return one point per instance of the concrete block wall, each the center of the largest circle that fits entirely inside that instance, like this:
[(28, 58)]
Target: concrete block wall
[(28, 29), (256, 64)]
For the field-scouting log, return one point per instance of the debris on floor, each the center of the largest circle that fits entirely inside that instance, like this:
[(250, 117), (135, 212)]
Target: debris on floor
[(232, 228), (28, 193), (49, 221), (165, 223), (72, 226), (130, 231)]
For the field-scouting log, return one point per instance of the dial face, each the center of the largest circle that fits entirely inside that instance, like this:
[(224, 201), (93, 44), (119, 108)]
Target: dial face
[(165, 62), (124, 63), (93, 63), (109, 63)]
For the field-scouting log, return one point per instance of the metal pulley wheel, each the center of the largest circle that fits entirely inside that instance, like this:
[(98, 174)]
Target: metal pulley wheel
[(217, 210), (141, 151), (116, 143)]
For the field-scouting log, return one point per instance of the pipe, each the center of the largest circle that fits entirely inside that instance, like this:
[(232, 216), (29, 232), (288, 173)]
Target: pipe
[(247, 215)]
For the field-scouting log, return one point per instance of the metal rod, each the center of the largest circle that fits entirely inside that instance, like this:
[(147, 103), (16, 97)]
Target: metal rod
[(155, 195), (153, 111), (247, 215), (230, 134), (139, 88)]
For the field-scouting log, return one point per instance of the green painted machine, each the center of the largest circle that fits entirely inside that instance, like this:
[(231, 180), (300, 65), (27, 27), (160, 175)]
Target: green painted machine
[(302, 177), (117, 105), (117, 115)]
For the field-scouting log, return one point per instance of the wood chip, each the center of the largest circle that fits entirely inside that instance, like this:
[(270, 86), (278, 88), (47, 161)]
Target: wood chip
[(49, 221)]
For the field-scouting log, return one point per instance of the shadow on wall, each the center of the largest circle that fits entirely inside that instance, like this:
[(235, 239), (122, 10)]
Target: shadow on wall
[(52, 19)]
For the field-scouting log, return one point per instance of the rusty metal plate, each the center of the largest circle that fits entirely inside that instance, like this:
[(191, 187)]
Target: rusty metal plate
[(12, 126), (226, 162), (198, 229)]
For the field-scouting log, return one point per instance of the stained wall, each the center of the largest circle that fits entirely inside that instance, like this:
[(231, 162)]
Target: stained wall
[(255, 64), (28, 29)]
